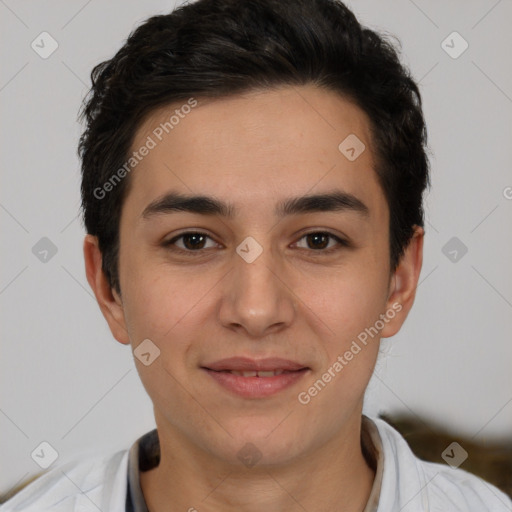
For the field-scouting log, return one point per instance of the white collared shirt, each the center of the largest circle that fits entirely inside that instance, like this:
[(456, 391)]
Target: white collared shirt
[(403, 483)]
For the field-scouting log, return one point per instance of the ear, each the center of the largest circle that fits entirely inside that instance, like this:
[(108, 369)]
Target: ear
[(403, 284), (108, 299)]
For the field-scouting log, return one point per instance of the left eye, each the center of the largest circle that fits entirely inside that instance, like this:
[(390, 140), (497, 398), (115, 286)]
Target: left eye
[(320, 240)]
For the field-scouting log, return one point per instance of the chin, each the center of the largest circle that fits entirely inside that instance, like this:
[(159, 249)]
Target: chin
[(265, 444)]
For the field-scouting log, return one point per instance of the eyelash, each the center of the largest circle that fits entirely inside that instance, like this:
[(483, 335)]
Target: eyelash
[(170, 244)]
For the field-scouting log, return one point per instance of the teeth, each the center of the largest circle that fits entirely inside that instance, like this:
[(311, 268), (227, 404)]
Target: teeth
[(245, 374), (270, 373), (267, 374)]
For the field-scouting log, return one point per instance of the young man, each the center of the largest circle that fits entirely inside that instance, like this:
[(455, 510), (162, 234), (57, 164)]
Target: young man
[(252, 191)]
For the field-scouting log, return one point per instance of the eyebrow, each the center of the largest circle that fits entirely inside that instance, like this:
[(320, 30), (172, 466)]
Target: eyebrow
[(334, 201)]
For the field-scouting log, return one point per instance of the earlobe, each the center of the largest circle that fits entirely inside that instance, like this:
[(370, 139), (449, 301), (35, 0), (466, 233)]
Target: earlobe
[(108, 300), (403, 284)]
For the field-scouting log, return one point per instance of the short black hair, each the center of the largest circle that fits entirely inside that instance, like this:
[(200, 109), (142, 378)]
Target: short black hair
[(218, 48)]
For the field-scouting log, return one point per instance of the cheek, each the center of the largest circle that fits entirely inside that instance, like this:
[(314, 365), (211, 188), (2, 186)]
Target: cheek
[(165, 305), (155, 301), (350, 303), (160, 306), (350, 308)]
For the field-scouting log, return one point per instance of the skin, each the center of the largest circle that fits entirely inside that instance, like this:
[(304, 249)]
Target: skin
[(294, 301)]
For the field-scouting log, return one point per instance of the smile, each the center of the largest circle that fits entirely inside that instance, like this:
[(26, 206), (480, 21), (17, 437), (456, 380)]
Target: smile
[(256, 383), (270, 373)]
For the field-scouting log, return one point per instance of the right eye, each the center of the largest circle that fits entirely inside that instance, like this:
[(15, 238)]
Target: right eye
[(191, 241)]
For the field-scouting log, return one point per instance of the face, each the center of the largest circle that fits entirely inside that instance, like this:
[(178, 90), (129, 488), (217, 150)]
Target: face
[(256, 272)]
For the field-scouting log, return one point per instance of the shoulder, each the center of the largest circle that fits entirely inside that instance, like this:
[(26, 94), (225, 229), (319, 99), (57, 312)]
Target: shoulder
[(96, 483), (418, 485)]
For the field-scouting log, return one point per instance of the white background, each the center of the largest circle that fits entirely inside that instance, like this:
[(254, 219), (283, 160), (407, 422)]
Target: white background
[(65, 380)]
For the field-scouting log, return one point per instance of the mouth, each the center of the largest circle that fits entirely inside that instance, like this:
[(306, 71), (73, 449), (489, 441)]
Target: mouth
[(246, 364), (263, 373), (251, 378)]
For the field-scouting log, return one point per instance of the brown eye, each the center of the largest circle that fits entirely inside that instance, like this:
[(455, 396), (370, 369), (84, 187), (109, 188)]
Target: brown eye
[(190, 242), (194, 241), (322, 241), (317, 240)]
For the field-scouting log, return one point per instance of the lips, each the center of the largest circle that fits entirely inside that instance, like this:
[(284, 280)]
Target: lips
[(250, 373), (251, 368), (255, 379)]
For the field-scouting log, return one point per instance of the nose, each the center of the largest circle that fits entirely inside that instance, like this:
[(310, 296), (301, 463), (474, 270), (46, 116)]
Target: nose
[(256, 298)]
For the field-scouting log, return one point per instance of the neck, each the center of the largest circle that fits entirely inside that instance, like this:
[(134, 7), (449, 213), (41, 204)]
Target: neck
[(334, 476)]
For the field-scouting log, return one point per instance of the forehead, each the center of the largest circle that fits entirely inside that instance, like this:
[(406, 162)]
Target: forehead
[(255, 147)]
